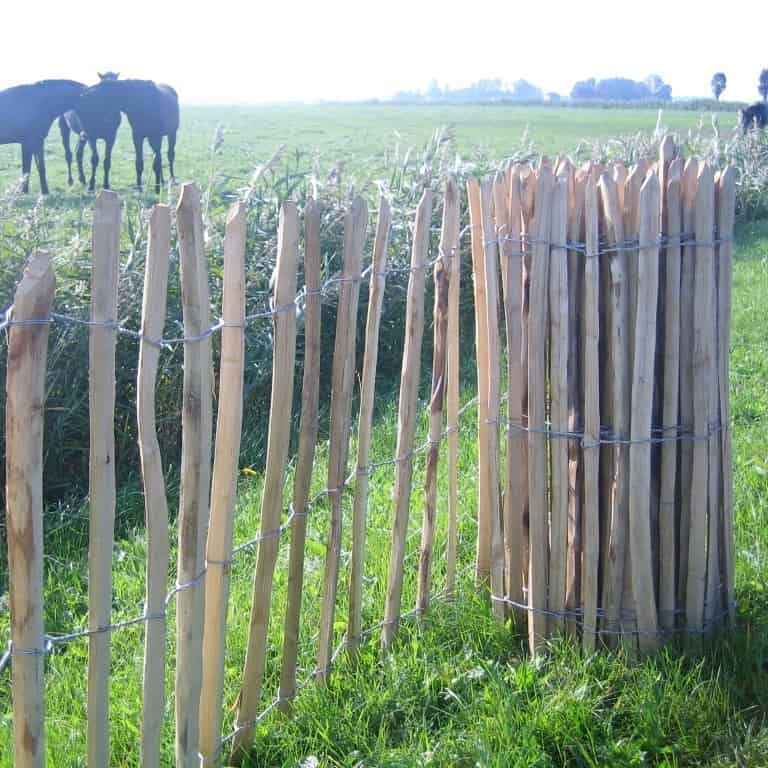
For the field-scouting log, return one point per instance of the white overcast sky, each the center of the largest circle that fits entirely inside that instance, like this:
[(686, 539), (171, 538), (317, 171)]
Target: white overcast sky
[(256, 51)]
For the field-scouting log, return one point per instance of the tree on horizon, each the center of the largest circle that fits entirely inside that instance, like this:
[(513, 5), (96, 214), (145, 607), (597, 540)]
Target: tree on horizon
[(718, 84)]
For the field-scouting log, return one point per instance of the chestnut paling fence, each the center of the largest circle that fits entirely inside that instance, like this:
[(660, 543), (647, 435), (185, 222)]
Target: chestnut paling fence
[(602, 309)]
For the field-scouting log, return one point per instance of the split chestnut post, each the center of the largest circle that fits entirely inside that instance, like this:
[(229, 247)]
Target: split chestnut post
[(591, 442), (558, 382), (342, 381), (197, 426), (305, 454), (280, 406), (491, 278), (687, 284), (575, 397), (407, 416), (365, 422), (449, 245), (24, 422), (726, 206), (537, 444), (102, 488), (508, 224), (669, 487), (224, 486), (642, 407), (155, 501), (703, 373), (617, 309), (483, 557), (436, 407)]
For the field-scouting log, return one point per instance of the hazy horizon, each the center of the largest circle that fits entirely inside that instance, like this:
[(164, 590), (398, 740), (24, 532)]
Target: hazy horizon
[(309, 52)]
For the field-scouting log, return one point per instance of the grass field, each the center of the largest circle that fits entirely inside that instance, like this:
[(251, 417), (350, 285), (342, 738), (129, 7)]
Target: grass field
[(358, 136), (459, 690)]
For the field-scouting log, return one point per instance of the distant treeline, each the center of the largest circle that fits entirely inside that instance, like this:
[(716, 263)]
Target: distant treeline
[(609, 92), (693, 105)]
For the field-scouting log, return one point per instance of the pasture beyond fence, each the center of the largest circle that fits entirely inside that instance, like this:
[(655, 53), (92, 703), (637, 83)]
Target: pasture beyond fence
[(602, 299)]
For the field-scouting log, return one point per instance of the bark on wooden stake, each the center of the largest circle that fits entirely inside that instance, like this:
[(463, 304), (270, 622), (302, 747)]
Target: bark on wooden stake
[(274, 474), (537, 447), (102, 488), (355, 229), (365, 423), (155, 501), (642, 407), (305, 455), (224, 486), (407, 416), (24, 421), (452, 254)]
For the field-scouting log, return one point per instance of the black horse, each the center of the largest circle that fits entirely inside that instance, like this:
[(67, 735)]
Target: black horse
[(755, 116), (152, 110), (103, 126), (26, 115)]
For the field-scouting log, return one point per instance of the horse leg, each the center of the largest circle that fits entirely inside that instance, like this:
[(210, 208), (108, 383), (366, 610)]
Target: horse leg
[(94, 163), (26, 167), (156, 142), (172, 153), (65, 131), (138, 146), (79, 152), (109, 142), (40, 162)]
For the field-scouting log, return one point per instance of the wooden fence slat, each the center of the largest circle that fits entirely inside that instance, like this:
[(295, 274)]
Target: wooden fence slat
[(24, 422), (713, 600), (509, 224), (197, 425), (703, 370), (224, 484), (490, 275), (407, 415), (642, 407), (558, 378), (365, 422), (616, 418), (449, 245), (280, 407), (591, 539), (668, 500), (442, 276), (537, 446), (308, 428), (483, 557), (102, 489), (687, 285), (726, 208), (578, 181), (631, 206), (528, 182), (355, 228), (155, 501)]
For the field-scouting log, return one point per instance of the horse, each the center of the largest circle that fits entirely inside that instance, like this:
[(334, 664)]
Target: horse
[(152, 110), (105, 127), (26, 115), (755, 116)]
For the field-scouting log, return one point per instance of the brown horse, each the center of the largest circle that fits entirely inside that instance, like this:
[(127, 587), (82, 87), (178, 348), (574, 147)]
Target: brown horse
[(104, 128), (152, 110), (26, 115)]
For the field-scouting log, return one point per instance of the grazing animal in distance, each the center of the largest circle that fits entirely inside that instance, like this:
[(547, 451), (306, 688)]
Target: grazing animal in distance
[(152, 110), (26, 115), (103, 126), (755, 116)]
